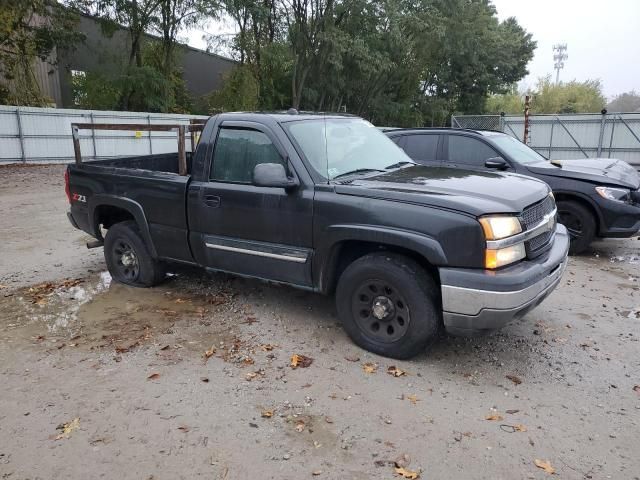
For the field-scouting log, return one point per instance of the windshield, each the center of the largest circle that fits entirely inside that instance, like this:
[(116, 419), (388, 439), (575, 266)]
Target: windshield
[(517, 150), (352, 145)]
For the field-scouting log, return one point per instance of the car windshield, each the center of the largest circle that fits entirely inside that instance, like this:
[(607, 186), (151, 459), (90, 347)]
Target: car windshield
[(342, 146), (517, 150)]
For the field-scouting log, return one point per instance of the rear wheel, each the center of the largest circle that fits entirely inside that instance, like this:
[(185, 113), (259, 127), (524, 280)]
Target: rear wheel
[(128, 259), (388, 305), (580, 224)]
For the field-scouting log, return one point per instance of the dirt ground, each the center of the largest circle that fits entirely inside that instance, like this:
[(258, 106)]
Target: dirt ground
[(192, 379)]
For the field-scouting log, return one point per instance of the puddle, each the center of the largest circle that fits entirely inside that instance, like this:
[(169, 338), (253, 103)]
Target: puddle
[(631, 259), (96, 313)]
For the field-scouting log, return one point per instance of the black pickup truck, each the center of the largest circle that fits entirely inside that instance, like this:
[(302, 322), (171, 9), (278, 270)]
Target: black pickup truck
[(329, 204), (597, 197)]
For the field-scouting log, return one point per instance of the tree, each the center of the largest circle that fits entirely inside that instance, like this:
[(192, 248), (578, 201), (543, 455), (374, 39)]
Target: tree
[(31, 30), (569, 97), (625, 102)]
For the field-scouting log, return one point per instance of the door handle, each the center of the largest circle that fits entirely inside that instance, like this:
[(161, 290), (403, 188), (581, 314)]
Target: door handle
[(212, 201)]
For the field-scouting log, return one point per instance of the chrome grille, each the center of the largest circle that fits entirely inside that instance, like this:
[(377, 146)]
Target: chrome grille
[(532, 216)]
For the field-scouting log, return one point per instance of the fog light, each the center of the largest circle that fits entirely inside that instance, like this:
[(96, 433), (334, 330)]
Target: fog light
[(504, 256)]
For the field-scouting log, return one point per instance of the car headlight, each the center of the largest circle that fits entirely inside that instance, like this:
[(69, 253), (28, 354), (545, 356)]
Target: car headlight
[(504, 256), (499, 227), (615, 194)]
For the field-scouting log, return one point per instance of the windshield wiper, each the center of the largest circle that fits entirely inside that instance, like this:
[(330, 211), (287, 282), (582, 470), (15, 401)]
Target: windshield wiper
[(358, 170), (399, 164)]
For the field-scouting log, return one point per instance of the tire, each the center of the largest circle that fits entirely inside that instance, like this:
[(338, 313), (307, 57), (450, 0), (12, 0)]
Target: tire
[(128, 258), (395, 293), (579, 222)]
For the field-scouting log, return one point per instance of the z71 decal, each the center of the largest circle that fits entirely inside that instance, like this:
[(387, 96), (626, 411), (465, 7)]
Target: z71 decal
[(79, 198)]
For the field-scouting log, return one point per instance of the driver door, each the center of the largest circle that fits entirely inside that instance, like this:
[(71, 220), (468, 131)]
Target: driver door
[(242, 228)]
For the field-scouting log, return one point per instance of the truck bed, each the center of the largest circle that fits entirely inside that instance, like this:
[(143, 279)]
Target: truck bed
[(151, 182), (162, 162)]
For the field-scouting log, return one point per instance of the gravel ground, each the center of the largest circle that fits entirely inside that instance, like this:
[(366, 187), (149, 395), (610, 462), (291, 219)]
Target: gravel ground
[(192, 379)]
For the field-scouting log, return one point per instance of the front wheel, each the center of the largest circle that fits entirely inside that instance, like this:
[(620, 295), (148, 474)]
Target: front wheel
[(580, 224), (389, 305), (128, 259)]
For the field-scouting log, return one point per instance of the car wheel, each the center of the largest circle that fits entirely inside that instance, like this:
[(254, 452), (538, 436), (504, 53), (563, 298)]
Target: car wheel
[(580, 224), (128, 259), (389, 305)]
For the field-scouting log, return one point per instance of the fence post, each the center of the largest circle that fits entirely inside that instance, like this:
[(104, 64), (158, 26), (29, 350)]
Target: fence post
[(150, 139), (613, 129), (526, 119), (501, 122), (553, 123), (21, 136), (602, 123), (93, 138)]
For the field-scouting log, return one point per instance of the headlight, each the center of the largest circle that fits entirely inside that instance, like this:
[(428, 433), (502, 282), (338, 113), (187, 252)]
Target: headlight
[(499, 227), (504, 256), (615, 194)]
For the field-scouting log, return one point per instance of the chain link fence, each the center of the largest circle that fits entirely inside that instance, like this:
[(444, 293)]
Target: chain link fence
[(610, 135)]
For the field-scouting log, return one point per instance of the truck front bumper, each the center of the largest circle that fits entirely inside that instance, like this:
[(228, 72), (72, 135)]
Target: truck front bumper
[(477, 301)]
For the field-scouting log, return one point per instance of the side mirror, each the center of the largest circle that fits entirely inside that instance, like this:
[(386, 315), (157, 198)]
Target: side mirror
[(272, 175), (498, 163)]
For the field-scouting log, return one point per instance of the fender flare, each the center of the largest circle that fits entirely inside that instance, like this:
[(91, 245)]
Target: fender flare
[(131, 206), (335, 235)]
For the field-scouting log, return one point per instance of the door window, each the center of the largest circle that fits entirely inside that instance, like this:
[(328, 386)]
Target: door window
[(238, 151), (421, 147), (469, 151)]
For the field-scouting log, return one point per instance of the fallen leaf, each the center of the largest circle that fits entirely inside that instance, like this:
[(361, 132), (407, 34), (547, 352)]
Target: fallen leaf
[(395, 371), (352, 358), (315, 473), (494, 416), (413, 399), (636, 388), (209, 353), (301, 361), (328, 419), (266, 413), (518, 427), (153, 376), (248, 361), (545, 465), (204, 379), (267, 347), (515, 379), (250, 376), (3, 286), (68, 428), (183, 428), (511, 412), (370, 367), (179, 300), (300, 426), (166, 347), (403, 472)]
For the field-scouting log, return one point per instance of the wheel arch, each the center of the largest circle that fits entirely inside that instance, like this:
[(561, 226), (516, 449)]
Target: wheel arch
[(108, 210), (350, 243)]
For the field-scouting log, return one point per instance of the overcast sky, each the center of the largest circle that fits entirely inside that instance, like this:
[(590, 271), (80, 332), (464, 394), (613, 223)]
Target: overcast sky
[(602, 37)]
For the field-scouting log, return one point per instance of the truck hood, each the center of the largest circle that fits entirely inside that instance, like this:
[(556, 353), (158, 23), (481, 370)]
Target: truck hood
[(604, 171), (472, 192)]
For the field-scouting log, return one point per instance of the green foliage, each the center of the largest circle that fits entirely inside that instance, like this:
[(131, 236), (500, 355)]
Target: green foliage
[(570, 97), (95, 91), (240, 92), (625, 102), (29, 31)]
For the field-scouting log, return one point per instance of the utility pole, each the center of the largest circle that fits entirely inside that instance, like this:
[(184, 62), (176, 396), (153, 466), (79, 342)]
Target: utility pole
[(559, 56)]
